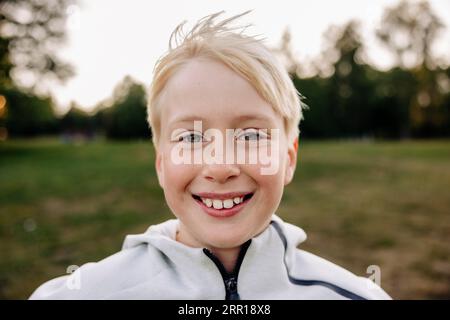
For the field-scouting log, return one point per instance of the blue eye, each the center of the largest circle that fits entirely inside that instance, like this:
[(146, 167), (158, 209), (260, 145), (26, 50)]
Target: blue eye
[(191, 138), (252, 135)]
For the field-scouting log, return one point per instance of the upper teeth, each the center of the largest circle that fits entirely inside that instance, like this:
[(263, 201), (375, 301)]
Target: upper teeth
[(219, 204)]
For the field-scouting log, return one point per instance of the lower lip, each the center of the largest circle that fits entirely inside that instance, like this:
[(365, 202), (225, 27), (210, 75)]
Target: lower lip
[(222, 213)]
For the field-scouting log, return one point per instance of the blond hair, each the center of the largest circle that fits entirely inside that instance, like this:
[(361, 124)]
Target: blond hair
[(246, 55)]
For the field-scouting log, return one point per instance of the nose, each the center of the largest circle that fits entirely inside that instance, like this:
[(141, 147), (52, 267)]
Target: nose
[(220, 173)]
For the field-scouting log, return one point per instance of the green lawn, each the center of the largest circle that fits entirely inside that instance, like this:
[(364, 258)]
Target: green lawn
[(361, 204)]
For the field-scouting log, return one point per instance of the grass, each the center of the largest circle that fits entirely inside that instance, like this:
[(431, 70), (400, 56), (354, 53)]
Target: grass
[(361, 204)]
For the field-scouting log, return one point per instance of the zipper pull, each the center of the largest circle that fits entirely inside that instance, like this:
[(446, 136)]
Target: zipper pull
[(231, 288)]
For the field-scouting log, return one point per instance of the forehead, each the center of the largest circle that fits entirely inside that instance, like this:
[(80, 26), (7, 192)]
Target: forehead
[(209, 90)]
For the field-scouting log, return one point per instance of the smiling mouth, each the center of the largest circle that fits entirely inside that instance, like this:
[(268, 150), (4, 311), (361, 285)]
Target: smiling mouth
[(223, 204)]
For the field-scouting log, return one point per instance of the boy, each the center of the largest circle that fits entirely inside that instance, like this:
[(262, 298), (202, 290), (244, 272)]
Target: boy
[(215, 95)]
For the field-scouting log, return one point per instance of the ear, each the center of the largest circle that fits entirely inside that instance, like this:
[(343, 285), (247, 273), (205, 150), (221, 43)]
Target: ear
[(291, 162), (159, 166)]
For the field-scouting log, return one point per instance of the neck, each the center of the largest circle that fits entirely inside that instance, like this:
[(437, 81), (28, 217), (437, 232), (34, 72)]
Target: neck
[(227, 256)]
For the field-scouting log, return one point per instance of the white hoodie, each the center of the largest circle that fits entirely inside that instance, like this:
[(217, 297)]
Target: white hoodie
[(153, 265)]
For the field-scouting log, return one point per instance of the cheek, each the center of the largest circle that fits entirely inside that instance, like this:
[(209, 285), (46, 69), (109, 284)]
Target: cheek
[(177, 178), (271, 180), (270, 185)]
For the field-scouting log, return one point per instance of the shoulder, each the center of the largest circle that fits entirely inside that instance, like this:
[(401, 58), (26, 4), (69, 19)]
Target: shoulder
[(307, 269), (97, 280), (310, 269)]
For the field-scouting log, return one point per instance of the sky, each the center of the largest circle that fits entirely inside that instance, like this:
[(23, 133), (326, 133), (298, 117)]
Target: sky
[(109, 39)]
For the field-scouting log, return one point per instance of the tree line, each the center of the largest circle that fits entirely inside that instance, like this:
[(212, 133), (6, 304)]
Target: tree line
[(347, 96)]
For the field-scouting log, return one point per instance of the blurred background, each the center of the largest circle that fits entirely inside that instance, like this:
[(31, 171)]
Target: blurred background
[(373, 178)]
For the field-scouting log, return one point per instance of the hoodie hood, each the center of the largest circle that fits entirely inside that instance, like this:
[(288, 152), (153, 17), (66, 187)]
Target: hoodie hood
[(164, 234), (266, 250)]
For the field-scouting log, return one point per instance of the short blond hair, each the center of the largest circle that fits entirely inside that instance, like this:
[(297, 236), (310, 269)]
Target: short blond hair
[(246, 55)]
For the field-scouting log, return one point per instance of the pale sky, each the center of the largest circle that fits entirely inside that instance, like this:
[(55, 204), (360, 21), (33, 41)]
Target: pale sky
[(109, 39)]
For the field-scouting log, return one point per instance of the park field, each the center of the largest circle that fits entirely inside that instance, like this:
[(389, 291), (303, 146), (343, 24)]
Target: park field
[(362, 203)]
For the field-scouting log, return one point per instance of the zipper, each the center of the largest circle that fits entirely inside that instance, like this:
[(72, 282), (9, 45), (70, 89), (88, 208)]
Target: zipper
[(230, 280)]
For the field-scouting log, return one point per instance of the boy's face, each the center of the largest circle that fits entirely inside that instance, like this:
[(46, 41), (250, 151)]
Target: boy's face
[(208, 91)]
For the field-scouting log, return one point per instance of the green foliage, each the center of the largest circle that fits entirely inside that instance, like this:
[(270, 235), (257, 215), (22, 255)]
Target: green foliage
[(28, 114), (349, 98), (127, 117), (29, 34), (409, 31)]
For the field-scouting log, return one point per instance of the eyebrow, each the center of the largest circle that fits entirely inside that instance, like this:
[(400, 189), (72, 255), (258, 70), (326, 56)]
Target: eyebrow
[(188, 118), (249, 117), (238, 119)]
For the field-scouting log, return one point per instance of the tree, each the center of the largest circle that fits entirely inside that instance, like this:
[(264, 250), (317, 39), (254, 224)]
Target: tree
[(77, 121), (349, 89), (127, 116), (5, 64), (409, 30), (285, 54), (347, 97), (28, 114), (30, 31)]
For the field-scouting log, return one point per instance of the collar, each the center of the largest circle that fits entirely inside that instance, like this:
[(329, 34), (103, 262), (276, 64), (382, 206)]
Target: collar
[(272, 252)]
